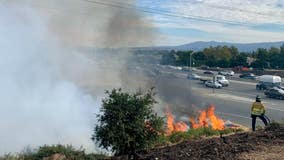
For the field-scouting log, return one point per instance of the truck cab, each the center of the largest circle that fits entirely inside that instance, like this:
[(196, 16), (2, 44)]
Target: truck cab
[(222, 80)]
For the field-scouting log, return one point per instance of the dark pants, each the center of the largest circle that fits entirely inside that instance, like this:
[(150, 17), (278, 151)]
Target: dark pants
[(254, 119)]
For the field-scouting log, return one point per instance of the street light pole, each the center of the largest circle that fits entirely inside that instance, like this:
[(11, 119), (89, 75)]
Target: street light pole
[(190, 61), (190, 67)]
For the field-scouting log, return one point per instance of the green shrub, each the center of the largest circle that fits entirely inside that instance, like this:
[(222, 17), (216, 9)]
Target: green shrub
[(127, 122), (46, 151)]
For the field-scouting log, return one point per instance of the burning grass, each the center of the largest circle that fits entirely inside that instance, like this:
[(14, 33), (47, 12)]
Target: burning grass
[(206, 124), (192, 134), (206, 119)]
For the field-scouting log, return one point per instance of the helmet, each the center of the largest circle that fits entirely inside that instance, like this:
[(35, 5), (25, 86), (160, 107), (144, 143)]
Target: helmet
[(257, 98)]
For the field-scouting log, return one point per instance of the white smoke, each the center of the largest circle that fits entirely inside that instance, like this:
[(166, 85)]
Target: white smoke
[(39, 104), (49, 89)]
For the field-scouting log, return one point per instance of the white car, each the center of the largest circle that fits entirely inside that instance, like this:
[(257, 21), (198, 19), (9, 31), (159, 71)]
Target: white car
[(226, 73), (231, 73), (212, 84)]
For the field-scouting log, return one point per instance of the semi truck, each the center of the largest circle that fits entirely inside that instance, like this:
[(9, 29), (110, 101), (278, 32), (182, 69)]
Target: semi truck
[(268, 81)]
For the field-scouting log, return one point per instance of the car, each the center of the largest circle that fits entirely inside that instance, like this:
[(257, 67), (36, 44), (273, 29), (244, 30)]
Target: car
[(226, 73), (231, 73), (275, 93), (178, 68), (280, 87), (268, 81), (248, 76), (266, 85), (208, 72), (193, 76), (213, 84), (204, 79), (204, 67)]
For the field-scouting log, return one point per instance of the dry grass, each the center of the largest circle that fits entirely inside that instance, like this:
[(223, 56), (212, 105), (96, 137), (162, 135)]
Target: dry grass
[(265, 153)]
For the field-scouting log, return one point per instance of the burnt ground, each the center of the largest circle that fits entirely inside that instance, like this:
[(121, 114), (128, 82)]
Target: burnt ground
[(261, 145)]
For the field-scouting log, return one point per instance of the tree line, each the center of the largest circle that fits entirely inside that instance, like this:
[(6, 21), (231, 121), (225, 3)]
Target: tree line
[(224, 56)]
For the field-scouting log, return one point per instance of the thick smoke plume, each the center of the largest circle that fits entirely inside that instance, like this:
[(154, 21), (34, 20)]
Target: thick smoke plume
[(39, 105), (51, 77)]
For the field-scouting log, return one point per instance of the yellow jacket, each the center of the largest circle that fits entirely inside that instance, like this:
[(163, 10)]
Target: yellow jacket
[(257, 108)]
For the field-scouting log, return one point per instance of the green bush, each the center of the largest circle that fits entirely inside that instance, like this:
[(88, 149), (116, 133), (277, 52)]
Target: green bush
[(127, 122), (68, 150), (46, 151)]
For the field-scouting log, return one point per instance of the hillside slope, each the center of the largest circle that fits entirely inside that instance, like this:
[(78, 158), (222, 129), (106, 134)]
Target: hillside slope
[(242, 146)]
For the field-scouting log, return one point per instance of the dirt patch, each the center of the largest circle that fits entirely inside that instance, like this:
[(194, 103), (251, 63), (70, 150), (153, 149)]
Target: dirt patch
[(238, 146), (264, 153)]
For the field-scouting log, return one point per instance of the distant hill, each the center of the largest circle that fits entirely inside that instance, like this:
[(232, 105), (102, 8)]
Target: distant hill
[(200, 45)]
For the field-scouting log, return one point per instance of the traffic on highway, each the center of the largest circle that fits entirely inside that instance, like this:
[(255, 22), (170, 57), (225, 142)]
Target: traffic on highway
[(231, 93)]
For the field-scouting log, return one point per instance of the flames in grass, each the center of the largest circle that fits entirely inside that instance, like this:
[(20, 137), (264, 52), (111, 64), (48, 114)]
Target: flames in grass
[(206, 118), (175, 127)]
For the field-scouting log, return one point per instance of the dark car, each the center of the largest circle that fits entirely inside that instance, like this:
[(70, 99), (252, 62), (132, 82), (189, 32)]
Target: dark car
[(208, 72), (248, 76), (275, 93), (280, 87), (267, 85)]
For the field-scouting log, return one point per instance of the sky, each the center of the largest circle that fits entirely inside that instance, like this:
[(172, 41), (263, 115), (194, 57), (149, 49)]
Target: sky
[(174, 22), (219, 20)]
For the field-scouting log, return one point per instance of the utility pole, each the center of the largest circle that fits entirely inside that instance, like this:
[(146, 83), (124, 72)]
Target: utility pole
[(214, 81), (190, 66), (190, 61)]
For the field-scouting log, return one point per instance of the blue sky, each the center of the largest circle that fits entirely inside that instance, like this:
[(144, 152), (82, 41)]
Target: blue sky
[(83, 23), (234, 20)]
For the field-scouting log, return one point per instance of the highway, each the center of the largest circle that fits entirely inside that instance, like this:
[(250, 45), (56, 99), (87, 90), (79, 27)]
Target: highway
[(185, 97)]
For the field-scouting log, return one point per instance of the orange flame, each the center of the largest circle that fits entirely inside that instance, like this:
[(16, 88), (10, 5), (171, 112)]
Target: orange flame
[(216, 123), (206, 118), (175, 127), (202, 121)]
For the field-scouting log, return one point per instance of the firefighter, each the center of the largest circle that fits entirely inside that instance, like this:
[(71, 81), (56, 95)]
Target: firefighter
[(257, 110)]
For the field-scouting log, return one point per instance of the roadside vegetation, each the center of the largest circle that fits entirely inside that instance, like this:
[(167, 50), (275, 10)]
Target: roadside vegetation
[(224, 56), (193, 134), (62, 151), (127, 122)]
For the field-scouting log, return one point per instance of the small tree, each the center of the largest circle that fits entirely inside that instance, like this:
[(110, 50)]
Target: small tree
[(127, 122)]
